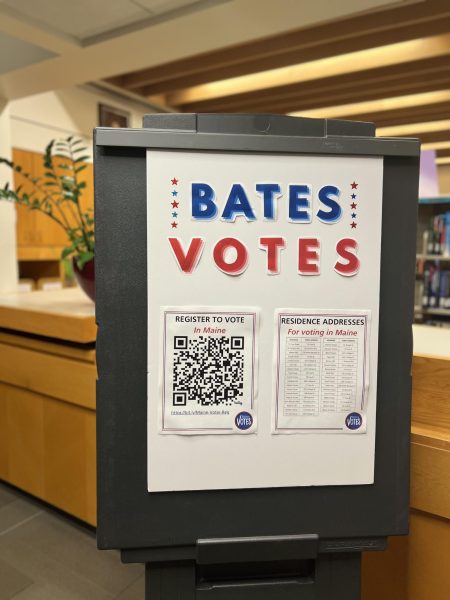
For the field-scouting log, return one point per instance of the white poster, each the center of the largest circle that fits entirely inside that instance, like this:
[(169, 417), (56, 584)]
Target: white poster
[(208, 371), (321, 371), (254, 233)]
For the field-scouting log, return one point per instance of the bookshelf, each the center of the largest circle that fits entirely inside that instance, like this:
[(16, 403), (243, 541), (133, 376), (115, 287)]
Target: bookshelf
[(432, 295), (438, 257), (436, 200)]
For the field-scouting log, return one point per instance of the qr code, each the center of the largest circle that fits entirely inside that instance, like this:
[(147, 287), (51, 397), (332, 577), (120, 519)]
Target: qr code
[(208, 370)]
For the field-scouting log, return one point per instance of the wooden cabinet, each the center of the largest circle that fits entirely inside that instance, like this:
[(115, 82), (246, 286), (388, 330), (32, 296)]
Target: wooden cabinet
[(36, 231), (40, 240), (415, 567), (47, 398)]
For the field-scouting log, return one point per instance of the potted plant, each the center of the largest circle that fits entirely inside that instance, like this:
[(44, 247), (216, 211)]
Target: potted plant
[(57, 194)]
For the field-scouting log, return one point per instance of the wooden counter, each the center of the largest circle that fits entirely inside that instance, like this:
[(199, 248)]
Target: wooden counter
[(61, 314), (416, 567), (47, 398)]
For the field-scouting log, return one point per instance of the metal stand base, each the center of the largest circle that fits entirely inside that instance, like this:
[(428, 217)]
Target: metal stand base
[(329, 577), (290, 567)]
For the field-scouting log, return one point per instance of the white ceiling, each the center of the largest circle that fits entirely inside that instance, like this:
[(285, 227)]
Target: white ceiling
[(87, 19), (16, 53)]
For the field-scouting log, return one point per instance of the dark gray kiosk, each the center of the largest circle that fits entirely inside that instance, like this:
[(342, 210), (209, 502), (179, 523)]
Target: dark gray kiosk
[(294, 542)]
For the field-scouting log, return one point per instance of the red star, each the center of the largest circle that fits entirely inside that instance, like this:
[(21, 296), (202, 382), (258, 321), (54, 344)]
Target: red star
[(353, 205), (354, 185), (174, 181), (174, 204), (174, 225), (353, 225)]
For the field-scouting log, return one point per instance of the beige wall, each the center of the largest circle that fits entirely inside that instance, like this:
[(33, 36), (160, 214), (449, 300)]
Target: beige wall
[(8, 265), (37, 119), (444, 179)]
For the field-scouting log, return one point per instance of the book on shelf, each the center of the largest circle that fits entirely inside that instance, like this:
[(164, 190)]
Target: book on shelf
[(435, 289), (436, 239)]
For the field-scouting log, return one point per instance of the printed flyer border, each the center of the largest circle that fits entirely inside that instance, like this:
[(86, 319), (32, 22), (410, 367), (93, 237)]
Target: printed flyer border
[(291, 314), (205, 312)]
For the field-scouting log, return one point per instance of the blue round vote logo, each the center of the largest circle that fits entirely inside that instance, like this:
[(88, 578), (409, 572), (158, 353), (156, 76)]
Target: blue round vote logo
[(353, 421), (243, 420)]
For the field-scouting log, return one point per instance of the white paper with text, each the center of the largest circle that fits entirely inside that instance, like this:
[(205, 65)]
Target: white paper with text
[(321, 371)]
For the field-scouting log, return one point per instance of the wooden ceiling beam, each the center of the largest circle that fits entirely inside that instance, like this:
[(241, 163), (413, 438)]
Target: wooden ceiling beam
[(426, 138), (445, 145), (413, 114), (416, 129), (301, 103), (385, 105), (327, 49), (361, 32), (351, 65), (421, 76)]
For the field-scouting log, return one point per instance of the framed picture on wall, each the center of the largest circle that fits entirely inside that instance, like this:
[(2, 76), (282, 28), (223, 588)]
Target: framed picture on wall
[(109, 116)]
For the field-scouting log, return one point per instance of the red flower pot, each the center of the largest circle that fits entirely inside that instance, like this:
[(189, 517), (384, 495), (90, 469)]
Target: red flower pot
[(86, 277)]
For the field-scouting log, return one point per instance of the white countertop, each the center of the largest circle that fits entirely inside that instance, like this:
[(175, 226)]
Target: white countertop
[(432, 341)]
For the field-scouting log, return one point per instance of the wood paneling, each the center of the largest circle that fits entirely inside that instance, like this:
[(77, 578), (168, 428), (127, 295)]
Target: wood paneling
[(416, 567), (3, 437), (28, 253), (25, 438), (430, 478), (59, 377), (384, 573), (81, 352), (431, 389), (47, 420), (69, 443), (35, 230), (429, 548), (50, 450)]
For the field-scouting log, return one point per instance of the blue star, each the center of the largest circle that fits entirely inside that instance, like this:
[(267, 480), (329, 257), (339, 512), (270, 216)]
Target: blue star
[(353, 215), (353, 196), (174, 215), (174, 193)]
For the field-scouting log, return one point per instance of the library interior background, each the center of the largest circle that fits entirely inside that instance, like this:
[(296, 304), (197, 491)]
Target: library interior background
[(67, 67)]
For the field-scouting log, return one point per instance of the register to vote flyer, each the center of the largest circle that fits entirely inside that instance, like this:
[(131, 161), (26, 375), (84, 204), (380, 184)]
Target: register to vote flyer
[(209, 370), (321, 374)]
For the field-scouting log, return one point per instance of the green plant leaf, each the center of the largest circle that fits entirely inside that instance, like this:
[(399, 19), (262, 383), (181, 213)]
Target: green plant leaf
[(50, 193), (83, 258), (67, 251), (80, 149), (77, 142)]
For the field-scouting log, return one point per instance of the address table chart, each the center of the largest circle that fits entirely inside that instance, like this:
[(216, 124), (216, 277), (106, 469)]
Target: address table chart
[(320, 375)]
